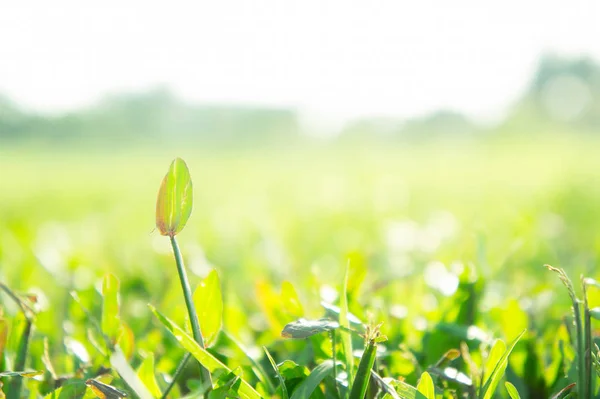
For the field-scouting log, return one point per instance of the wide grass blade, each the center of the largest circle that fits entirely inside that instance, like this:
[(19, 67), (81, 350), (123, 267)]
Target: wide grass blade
[(500, 363), (209, 306), (363, 375), (23, 348), (206, 359), (306, 388), (146, 374)]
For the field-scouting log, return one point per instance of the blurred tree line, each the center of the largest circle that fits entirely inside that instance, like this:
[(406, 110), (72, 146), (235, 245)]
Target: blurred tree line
[(564, 94), (149, 117)]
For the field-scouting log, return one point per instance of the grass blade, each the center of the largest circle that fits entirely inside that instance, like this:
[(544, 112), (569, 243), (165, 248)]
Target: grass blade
[(564, 392), (363, 375), (110, 307), (209, 304), (384, 386), (146, 374), (402, 389), (202, 355), (121, 365), (306, 388), (346, 338), (15, 388), (491, 383), (256, 366), (581, 384), (588, 342), (281, 380)]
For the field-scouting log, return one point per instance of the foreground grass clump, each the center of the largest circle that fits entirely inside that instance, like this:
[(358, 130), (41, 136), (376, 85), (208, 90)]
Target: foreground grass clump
[(311, 330)]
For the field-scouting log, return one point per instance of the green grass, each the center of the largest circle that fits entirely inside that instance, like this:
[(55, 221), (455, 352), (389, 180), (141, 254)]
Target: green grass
[(279, 227)]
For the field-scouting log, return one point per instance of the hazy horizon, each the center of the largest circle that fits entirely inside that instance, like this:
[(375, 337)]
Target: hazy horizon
[(332, 62)]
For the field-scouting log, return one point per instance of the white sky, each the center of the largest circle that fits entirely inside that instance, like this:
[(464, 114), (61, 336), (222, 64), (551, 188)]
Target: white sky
[(339, 58)]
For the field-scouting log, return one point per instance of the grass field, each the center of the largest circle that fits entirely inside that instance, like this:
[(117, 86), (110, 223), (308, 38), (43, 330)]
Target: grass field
[(438, 237)]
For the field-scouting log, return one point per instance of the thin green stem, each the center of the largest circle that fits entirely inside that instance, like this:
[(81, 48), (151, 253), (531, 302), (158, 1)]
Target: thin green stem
[(333, 357), (189, 302), (177, 374)]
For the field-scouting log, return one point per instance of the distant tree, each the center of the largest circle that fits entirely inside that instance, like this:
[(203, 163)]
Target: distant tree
[(156, 116), (563, 92)]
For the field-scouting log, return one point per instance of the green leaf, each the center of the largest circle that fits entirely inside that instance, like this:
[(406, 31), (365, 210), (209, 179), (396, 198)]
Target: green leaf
[(595, 313), (26, 374), (71, 390), (512, 391), (426, 386), (346, 338), (202, 355), (209, 306), (404, 390), (146, 374), (175, 197), (110, 307), (303, 328), (498, 361), (291, 302), (306, 388), (126, 340), (292, 373), (281, 380), (227, 386)]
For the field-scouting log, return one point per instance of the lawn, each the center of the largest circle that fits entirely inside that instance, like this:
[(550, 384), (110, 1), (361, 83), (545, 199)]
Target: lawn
[(443, 242)]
